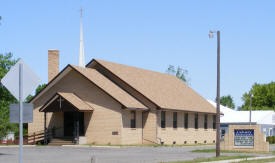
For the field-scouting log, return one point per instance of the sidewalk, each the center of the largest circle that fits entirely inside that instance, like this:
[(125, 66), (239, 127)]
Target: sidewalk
[(242, 159)]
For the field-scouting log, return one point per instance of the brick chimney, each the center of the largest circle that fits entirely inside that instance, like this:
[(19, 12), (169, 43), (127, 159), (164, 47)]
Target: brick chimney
[(53, 64)]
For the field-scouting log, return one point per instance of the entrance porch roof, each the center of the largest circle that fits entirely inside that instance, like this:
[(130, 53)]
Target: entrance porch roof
[(64, 101)]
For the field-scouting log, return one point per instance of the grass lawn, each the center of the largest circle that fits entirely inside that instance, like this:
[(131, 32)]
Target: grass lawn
[(212, 159)]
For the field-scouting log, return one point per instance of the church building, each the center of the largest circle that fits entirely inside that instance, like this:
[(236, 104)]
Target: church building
[(111, 103)]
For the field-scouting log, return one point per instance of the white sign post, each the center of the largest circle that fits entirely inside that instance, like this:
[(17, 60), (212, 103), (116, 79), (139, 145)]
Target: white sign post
[(20, 81)]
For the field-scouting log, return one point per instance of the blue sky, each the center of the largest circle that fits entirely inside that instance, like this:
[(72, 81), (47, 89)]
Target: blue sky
[(150, 34)]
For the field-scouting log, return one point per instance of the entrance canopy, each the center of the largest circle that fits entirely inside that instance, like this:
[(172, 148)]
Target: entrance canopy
[(63, 101)]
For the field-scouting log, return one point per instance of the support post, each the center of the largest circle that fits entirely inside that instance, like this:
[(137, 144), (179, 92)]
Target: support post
[(45, 129), (21, 113), (218, 97), (33, 138), (77, 127)]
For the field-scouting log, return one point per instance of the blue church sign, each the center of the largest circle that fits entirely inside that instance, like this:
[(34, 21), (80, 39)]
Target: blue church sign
[(244, 138)]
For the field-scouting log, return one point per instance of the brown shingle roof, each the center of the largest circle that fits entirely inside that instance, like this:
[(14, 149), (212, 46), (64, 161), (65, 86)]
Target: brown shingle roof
[(167, 91), (74, 100), (112, 89)]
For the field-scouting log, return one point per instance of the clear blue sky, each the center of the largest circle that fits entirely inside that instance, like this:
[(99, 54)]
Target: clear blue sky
[(150, 34)]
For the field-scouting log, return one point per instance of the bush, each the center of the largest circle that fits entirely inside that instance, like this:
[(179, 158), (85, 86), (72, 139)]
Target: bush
[(270, 139)]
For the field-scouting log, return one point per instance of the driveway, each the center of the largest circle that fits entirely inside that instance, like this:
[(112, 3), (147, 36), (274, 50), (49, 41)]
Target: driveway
[(51, 154)]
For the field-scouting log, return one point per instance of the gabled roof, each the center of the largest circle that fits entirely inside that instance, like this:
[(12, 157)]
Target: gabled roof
[(101, 82), (166, 91), (107, 85), (74, 100)]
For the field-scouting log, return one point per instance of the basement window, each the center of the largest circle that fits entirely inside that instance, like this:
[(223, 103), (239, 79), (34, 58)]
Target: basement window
[(133, 119), (175, 121), (163, 119)]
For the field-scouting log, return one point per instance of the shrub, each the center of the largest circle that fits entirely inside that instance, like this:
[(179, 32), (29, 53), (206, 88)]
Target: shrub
[(270, 139)]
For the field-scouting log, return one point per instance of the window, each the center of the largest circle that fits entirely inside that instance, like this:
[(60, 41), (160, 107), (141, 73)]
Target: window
[(205, 121), (214, 121), (133, 119), (175, 120), (196, 121), (163, 119), (186, 120)]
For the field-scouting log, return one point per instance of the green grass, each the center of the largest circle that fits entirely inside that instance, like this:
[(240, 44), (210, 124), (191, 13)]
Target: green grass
[(228, 151), (212, 159)]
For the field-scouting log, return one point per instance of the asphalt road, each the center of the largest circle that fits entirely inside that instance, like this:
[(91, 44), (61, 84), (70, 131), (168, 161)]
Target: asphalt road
[(50, 154)]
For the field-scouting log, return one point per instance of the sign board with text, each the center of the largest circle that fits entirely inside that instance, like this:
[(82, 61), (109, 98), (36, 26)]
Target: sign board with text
[(243, 138), (27, 113)]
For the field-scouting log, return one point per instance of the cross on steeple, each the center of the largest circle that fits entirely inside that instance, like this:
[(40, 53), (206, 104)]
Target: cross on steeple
[(81, 12)]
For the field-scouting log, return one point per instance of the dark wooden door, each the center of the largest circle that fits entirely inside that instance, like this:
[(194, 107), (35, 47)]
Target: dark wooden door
[(68, 124)]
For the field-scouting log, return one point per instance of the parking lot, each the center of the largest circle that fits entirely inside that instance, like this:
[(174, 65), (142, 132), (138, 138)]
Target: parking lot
[(69, 154)]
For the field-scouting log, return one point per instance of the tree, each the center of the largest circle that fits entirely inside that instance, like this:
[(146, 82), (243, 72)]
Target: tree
[(263, 97), (227, 101), (179, 73), (6, 62), (37, 90)]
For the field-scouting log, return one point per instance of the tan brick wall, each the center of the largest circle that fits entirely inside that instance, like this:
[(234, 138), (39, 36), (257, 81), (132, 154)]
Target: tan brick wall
[(131, 135), (105, 118), (53, 64), (150, 127), (169, 134), (260, 144)]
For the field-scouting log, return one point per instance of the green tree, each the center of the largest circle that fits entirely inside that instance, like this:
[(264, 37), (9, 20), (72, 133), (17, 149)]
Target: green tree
[(227, 101), (6, 62), (37, 90), (263, 97), (179, 73)]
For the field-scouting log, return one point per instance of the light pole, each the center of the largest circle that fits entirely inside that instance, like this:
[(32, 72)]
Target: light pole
[(250, 107), (211, 35)]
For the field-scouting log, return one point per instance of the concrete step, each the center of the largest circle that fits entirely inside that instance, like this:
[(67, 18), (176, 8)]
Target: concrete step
[(61, 141)]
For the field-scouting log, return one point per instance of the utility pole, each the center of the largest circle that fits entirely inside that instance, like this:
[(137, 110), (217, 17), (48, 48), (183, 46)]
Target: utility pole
[(211, 35), (218, 96)]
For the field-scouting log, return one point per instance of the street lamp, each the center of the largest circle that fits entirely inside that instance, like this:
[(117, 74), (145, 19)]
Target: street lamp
[(211, 35), (250, 107)]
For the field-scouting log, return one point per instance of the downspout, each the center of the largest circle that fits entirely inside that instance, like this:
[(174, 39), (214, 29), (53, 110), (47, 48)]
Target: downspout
[(45, 128), (142, 114)]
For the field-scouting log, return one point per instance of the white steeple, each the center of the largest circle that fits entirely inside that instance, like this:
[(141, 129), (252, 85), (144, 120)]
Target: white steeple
[(81, 57)]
